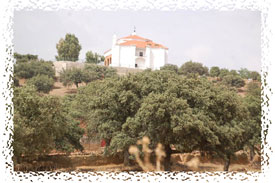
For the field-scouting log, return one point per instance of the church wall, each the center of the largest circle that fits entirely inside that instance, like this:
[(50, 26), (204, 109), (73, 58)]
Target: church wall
[(127, 56), (148, 57), (158, 57), (140, 63), (115, 56)]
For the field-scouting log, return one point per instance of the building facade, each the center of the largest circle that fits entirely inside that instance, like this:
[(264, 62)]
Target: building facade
[(136, 52)]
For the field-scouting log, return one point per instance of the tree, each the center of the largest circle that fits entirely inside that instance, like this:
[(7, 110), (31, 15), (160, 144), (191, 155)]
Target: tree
[(33, 68), (91, 72), (233, 81), (223, 72), (193, 68), (15, 81), (168, 120), (170, 67), (42, 83), (255, 76), (167, 108), (253, 102), (214, 71), (72, 76), (244, 73), (94, 57), (234, 73), (253, 88), (41, 124), (25, 57), (94, 72), (68, 49)]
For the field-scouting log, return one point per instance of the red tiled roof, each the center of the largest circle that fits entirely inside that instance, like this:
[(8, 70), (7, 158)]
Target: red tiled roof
[(139, 42), (142, 44), (135, 37)]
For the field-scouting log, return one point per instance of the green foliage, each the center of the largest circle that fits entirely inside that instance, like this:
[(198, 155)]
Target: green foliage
[(244, 73), (253, 88), (91, 72), (234, 73), (223, 72), (41, 124), (193, 68), (255, 76), (214, 71), (94, 72), (166, 107), (73, 131), (68, 49), (15, 81), (72, 76), (33, 68), (233, 81), (170, 67), (25, 57), (42, 83), (94, 57), (253, 103)]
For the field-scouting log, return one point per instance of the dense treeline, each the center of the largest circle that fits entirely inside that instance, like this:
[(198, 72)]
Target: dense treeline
[(231, 78), (188, 112), (42, 124), (39, 73), (89, 73), (176, 106)]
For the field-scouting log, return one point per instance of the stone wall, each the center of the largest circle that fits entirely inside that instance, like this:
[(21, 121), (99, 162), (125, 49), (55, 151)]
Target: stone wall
[(60, 65)]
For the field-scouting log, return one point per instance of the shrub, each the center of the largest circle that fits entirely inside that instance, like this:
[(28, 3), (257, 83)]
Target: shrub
[(170, 67), (25, 57), (234, 81), (214, 71), (15, 81), (255, 76), (253, 88), (33, 68), (42, 83), (223, 73), (193, 68), (94, 72), (72, 76)]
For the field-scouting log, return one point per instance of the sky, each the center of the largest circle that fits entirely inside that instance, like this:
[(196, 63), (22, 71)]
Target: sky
[(228, 39)]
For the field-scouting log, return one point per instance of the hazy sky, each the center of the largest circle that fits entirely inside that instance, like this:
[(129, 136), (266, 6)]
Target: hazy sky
[(215, 38)]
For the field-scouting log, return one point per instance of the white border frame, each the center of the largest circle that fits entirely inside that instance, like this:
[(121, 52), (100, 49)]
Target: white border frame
[(7, 9)]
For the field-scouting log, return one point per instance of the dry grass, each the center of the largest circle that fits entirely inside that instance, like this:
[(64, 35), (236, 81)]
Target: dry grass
[(60, 90)]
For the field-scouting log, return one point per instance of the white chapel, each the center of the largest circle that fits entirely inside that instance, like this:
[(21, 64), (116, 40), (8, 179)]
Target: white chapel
[(134, 51)]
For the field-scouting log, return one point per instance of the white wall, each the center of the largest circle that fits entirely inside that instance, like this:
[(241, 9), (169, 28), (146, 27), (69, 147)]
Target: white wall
[(140, 63), (115, 56), (127, 56), (148, 58), (158, 57)]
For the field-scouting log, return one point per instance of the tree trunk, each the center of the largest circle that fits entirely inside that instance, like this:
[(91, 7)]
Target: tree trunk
[(168, 151), (126, 160), (76, 84), (107, 144), (226, 163), (252, 152)]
